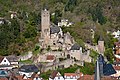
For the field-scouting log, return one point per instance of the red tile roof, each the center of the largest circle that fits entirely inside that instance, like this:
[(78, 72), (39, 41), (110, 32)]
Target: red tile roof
[(117, 43), (86, 77), (117, 67), (20, 77), (108, 78), (70, 74), (1, 58), (4, 78), (50, 57), (54, 74), (91, 77)]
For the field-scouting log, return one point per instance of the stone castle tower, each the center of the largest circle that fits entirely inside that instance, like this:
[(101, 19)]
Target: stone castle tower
[(45, 25), (101, 47)]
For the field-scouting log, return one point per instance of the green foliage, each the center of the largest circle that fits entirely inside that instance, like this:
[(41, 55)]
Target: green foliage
[(9, 33), (88, 68), (71, 69), (37, 48), (109, 55), (28, 16), (46, 75), (30, 32), (80, 42), (48, 48), (62, 59), (59, 49), (94, 55), (70, 5), (26, 61), (97, 14)]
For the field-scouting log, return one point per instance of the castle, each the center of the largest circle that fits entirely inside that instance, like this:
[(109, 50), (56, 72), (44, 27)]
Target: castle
[(53, 37)]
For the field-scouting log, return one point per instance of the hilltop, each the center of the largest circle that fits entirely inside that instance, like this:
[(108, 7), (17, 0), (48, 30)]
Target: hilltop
[(23, 32)]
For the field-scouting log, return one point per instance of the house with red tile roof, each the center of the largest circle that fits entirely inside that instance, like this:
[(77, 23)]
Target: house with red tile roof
[(28, 70), (8, 62), (45, 58), (117, 69), (86, 77), (72, 76), (55, 75), (117, 51), (50, 58)]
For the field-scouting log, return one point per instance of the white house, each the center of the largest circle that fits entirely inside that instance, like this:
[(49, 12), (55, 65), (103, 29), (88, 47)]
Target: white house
[(116, 34), (76, 51), (37, 77), (56, 76), (8, 62), (64, 22), (13, 14), (117, 69), (72, 76), (2, 20), (28, 70), (50, 58), (4, 61)]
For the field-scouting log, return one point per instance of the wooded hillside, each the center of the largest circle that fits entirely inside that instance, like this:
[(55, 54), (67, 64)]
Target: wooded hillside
[(21, 34)]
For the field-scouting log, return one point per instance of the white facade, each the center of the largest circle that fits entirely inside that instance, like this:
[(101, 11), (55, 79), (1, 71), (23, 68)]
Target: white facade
[(116, 34), (117, 69), (117, 74), (5, 61), (117, 56), (7, 68), (37, 79), (76, 53), (27, 74), (57, 77), (1, 22), (71, 76), (64, 22)]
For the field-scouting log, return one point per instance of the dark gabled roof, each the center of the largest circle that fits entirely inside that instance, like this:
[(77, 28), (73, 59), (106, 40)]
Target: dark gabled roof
[(105, 69), (28, 68), (101, 38), (3, 73), (1, 58), (54, 29), (101, 59), (53, 74), (12, 58), (50, 57), (75, 47), (108, 70)]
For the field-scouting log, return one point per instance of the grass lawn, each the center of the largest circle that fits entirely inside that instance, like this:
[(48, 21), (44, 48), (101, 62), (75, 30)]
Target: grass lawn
[(26, 61)]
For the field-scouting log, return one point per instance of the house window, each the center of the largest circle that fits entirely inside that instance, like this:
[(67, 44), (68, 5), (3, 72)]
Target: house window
[(58, 77), (53, 43), (4, 60)]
